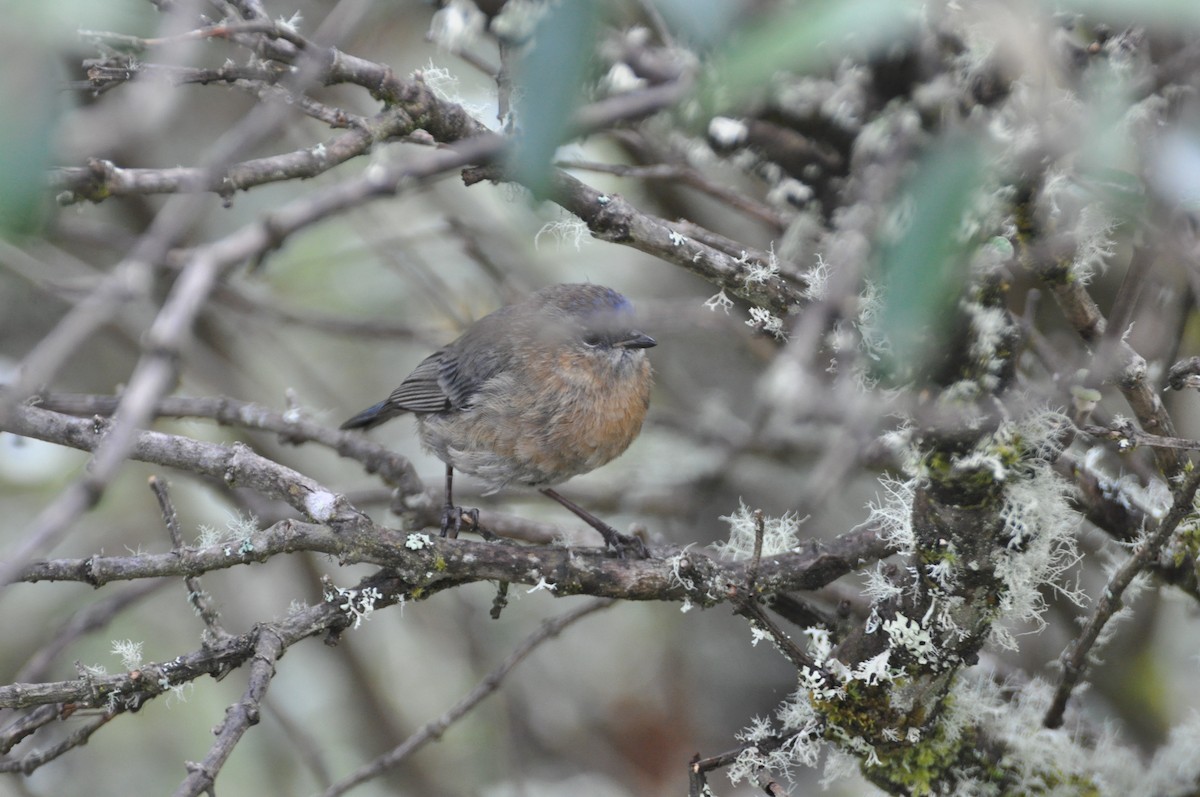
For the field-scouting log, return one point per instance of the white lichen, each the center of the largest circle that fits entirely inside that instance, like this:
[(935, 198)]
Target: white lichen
[(766, 321), (418, 541), (129, 651), (727, 133), (780, 534), (320, 505), (356, 603), (719, 301), (817, 278), (569, 231)]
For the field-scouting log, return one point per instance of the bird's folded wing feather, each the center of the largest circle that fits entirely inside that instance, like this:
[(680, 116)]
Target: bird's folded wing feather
[(421, 391)]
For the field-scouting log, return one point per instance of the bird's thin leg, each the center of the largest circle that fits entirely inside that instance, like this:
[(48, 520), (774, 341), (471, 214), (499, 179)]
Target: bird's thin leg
[(452, 516), (613, 538)]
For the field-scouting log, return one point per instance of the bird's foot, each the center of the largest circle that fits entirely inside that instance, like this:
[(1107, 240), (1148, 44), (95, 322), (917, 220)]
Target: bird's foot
[(612, 538), (452, 520), (621, 543)]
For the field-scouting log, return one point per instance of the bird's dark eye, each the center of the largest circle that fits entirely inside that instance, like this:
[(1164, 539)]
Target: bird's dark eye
[(591, 340)]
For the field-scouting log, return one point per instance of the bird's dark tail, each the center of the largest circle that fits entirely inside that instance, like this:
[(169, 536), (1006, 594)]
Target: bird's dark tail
[(372, 416)]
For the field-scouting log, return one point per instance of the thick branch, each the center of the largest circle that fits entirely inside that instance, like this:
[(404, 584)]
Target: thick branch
[(430, 563)]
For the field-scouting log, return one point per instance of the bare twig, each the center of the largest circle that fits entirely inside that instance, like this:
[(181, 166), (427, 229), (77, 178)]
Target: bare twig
[(760, 526), (268, 647), (699, 767), (1128, 368), (291, 425), (435, 564), (26, 725), (689, 176), (200, 600), (1128, 438), (90, 618), (155, 373), (410, 499), (490, 683), (752, 610), (101, 179), (218, 658), (38, 758), (235, 464), (612, 218), (1074, 658)]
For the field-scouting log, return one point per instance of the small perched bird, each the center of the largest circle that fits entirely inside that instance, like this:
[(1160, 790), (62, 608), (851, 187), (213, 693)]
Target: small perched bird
[(532, 394)]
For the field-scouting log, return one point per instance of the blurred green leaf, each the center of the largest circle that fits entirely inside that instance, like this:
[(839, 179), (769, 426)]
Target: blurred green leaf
[(1160, 13), (549, 79), (702, 22), (29, 108), (31, 95), (1109, 158), (924, 271), (809, 36)]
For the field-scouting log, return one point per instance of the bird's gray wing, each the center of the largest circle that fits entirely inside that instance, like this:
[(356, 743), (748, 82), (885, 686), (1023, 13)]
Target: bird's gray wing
[(421, 391), (449, 378), (483, 351)]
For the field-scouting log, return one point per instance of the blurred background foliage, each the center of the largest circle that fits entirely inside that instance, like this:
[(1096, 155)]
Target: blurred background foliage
[(342, 311)]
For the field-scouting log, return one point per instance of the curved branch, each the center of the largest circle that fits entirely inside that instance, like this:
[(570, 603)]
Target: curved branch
[(291, 426), (490, 683), (102, 179), (612, 218), (235, 465)]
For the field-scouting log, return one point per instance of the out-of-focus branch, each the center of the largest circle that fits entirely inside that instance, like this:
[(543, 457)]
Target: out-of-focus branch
[(1127, 368), (490, 683), (1074, 657), (291, 426), (612, 218), (689, 176)]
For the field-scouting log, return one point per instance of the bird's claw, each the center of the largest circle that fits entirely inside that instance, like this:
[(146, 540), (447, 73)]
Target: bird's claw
[(452, 520), (621, 543)]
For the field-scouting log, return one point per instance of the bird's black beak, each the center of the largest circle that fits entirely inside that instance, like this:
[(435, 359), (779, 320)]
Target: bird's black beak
[(637, 341)]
